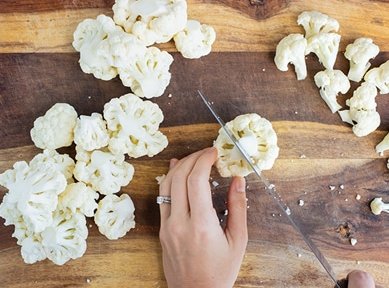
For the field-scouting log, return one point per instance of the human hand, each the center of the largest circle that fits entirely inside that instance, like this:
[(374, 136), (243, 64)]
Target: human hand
[(197, 252), (360, 279)]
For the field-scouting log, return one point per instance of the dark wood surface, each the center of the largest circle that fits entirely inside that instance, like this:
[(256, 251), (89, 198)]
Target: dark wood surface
[(239, 76)]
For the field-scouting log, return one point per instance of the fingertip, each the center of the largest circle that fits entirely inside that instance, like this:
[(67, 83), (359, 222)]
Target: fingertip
[(360, 279), (172, 163)]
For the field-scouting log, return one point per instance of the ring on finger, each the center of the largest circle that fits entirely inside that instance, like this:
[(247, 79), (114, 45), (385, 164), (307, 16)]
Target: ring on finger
[(164, 199)]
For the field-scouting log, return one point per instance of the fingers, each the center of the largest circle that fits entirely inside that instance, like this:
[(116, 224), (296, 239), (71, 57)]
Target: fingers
[(360, 279), (236, 229), (164, 209)]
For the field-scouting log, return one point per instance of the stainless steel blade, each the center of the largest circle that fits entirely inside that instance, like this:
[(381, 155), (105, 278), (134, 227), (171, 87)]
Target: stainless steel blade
[(271, 193)]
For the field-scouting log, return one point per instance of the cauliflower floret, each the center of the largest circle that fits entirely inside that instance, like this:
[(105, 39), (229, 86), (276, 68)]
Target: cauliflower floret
[(195, 40), (63, 162), (91, 132), (379, 76), (33, 194), (79, 198), (152, 21), (134, 125), (104, 171), (377, 206), (331, 83), (291, 49), (147, 76), (359, 53), (363, 115), (256, 136), (65, 238), (315, 22), (90, 39), (383, 145), (55, 129), (325, 46), (115, 216)]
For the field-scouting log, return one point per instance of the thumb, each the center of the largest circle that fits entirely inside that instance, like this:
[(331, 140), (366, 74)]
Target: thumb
[(236, 228)]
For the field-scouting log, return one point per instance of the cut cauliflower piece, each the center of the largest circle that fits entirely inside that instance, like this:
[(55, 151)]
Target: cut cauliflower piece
[(65, 238), (383, 145), (78, 197), (359, 53), (325, 46), (379, 76), (377, 206), (362, 113), (115, 216), (33, 194), (91, 132), (104, 171), (315, 23), (291, 49), (257, 137), (147, 76), (90, 39), (134, 125), (55, 129), (332, 82), (195, 40), (152, 21), (63, 162)]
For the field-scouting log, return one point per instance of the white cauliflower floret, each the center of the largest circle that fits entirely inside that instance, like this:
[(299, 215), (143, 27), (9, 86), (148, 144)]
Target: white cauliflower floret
[(363, 115), (256, 136), (291, 49), (32, 249), (359, 53), (63, 162), (65, 238), (325, 46), (148, 75), (152, 21), (315, 22), (377, 206), (90, 39), (379, 76), (195, 40), (91, 132), (33, 194), (134, 125), (332, 82), (383, 145), (104, 171), (78, 197), (55, 129), (115, 216)]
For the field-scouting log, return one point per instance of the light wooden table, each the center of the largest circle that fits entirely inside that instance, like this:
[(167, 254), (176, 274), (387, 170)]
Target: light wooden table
[(38, 67)]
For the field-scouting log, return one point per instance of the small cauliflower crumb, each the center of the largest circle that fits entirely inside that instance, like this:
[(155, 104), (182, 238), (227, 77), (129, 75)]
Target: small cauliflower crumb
[(301, 202), (353, 241), (358, 197), (160, 178)]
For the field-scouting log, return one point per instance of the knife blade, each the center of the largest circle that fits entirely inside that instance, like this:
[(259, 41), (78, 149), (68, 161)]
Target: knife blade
[(269, 188)]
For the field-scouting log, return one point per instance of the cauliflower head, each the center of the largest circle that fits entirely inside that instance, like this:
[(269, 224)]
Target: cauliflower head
[(55, 129), (256, 136), (325, 46), (115, 216), (195, 40), (32, 194), (91, 132), (291, 49), (90, 39), (148, 75), (152, 21), (332, 82), (362, 113), (134, 125), (379, 76), (359, 53), (104, 171), (315, 23)]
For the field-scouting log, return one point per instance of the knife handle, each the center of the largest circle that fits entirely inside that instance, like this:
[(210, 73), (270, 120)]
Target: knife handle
[(343, 283)]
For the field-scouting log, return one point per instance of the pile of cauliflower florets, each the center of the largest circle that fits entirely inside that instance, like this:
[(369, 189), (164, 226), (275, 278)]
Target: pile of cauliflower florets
[(49, 198), (122, 45)]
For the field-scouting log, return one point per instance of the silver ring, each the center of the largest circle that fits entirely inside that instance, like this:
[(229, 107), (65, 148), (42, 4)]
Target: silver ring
[(164, 199)]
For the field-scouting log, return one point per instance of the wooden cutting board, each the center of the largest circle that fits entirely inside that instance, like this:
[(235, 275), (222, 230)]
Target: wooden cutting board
[(39, 67)]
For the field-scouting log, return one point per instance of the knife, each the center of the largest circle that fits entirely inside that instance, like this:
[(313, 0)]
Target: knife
[(320, 257)]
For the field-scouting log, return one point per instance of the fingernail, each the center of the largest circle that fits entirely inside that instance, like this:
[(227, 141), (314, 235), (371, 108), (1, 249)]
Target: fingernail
[(241, 184), (172, 163)]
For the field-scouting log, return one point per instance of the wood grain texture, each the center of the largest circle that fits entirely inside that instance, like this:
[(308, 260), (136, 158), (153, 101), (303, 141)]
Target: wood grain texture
[(38, 68)]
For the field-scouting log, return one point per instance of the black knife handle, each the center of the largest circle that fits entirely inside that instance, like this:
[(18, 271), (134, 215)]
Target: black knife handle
[(343, 283)]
